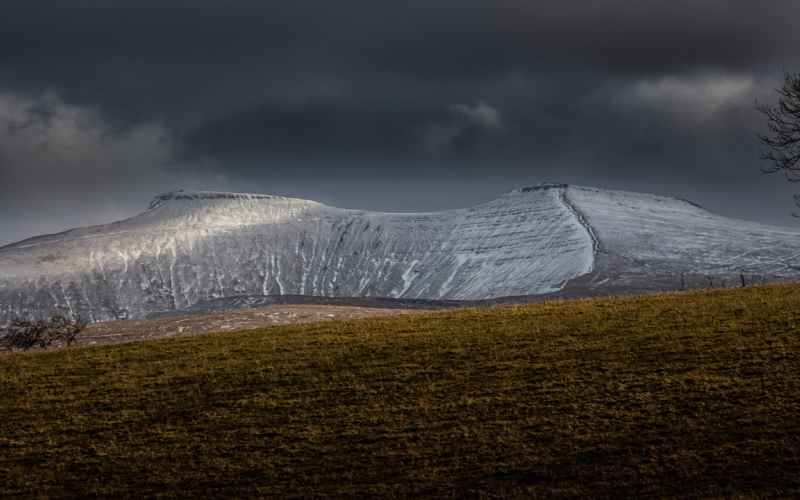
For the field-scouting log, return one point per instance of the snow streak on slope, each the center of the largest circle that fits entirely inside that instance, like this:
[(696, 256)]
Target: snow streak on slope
[(190, 247)]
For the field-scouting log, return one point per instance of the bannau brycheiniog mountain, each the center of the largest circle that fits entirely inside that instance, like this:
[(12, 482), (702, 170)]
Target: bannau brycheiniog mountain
[(547, 240)]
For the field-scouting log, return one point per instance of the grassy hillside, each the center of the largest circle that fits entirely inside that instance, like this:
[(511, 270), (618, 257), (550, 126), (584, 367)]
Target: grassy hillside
[(690, 394)]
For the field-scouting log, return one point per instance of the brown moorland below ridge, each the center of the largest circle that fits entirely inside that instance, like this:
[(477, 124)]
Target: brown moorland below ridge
[(674, 395), (114, 332)]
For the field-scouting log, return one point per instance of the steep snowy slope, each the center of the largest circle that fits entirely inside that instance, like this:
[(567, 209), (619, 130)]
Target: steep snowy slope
[(189, 247), (645, 242)]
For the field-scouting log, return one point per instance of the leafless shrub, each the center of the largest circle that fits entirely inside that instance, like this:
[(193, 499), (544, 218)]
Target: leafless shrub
[(24, 334), (783, 122)]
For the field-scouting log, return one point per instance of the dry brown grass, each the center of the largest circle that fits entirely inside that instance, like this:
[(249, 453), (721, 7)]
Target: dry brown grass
[(688, 395)]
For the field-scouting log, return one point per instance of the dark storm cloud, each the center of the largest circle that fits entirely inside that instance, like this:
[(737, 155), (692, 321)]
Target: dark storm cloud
[(362, 103)]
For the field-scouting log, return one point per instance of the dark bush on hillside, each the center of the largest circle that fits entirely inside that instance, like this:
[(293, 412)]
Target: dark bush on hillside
[(24, 334)]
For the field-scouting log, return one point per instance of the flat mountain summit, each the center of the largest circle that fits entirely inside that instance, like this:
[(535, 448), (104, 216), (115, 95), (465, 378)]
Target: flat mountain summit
[(552, 239)]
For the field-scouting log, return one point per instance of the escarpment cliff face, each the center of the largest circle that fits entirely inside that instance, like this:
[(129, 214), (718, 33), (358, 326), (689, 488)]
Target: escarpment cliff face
[(190, 247)]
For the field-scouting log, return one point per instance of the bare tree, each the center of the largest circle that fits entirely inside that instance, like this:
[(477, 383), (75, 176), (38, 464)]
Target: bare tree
[(783, 122), (24, 334)]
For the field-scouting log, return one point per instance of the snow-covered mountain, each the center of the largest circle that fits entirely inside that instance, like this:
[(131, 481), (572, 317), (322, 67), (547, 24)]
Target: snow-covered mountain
[(189, 247)]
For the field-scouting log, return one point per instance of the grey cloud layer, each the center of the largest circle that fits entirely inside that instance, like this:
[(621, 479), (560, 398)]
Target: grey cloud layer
[(306, 96)]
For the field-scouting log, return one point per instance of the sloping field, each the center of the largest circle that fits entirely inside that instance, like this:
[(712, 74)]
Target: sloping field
[(115, 332), (679, 395)]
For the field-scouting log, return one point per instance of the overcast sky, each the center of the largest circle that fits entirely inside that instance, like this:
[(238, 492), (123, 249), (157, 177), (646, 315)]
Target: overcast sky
[(384, 105)]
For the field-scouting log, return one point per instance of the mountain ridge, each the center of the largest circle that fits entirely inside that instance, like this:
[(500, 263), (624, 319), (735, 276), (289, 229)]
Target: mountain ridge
[(189, 247)]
